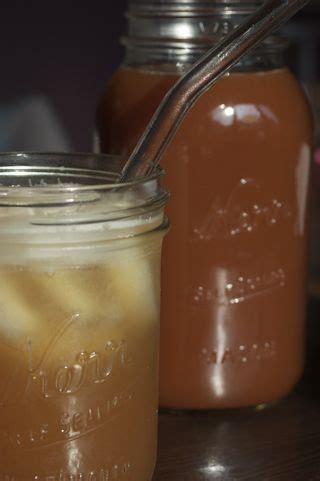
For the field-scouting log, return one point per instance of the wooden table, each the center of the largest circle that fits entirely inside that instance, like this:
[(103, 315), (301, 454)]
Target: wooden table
[(279, 443)]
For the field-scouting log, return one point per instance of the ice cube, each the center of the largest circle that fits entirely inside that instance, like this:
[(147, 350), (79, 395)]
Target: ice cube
[(133, 284)]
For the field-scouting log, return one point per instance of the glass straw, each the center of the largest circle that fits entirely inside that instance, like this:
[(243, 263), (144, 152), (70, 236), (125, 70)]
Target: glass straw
[(202, 75)]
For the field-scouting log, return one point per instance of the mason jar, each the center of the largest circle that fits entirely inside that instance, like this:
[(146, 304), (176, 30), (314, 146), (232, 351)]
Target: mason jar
[(79, 312), (234, 262)]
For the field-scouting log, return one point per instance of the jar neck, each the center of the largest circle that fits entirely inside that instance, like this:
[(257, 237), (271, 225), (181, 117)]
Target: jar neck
[(176, 33), (178, 58)]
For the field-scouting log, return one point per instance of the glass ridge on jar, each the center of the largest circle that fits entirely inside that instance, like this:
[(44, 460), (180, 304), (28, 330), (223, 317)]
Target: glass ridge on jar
[(79, 312), (234, 262)]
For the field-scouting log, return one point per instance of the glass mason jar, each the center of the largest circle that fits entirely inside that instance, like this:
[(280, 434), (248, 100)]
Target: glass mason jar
[(234, 262), (79, 299)]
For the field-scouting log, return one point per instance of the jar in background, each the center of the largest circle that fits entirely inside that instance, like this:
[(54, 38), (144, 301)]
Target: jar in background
[(79, 312), (234, 262)]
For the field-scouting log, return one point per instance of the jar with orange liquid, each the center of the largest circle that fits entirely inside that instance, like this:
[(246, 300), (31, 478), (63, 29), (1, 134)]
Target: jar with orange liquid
[(234, 262)]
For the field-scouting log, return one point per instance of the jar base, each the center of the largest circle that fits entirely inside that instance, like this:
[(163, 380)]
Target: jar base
[(257, 408)]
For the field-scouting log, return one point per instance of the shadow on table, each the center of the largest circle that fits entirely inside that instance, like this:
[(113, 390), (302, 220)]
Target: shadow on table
[(309, 384)]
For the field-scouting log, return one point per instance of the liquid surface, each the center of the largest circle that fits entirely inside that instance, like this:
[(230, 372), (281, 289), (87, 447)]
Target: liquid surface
[(233, 271), (79, 365)]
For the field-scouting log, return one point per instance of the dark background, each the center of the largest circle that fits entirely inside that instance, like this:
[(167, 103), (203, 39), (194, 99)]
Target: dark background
[(67, 50)]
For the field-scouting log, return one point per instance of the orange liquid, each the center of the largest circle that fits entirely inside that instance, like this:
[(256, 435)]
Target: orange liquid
[(234, 261), (79, 368)]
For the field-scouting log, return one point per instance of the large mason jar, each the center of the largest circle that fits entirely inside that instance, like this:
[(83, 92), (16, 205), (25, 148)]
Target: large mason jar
[(79, 312), (234, 263)]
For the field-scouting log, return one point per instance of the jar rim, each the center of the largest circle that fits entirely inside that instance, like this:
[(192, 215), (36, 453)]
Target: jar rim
[(191, 7), (51, 201), (71, 179), (89, 169), (52, 197)]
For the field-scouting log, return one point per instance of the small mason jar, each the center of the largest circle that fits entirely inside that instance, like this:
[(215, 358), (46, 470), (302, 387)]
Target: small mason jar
[(79, 311), (234, 261)]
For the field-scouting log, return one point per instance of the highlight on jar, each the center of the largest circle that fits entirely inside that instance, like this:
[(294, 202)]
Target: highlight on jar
[(79, 318)]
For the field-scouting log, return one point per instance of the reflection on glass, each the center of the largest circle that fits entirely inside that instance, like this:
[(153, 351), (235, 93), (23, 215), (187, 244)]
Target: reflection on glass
[(227, 115), (219, 314)]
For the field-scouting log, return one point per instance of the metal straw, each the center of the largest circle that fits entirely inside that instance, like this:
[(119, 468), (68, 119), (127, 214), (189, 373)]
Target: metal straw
[(205, 72)]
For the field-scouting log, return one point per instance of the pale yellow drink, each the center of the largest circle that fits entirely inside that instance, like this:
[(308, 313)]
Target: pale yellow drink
[(79, 344)]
